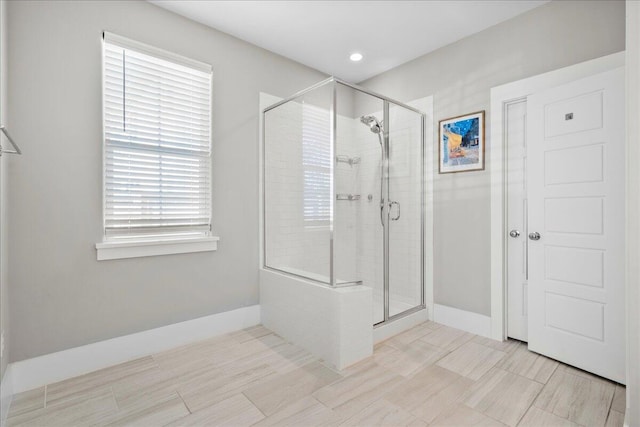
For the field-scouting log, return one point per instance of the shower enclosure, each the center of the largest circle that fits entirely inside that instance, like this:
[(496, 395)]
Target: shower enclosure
[(343, 193)]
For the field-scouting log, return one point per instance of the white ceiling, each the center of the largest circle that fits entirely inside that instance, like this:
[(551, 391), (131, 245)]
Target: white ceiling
[(322, 34)]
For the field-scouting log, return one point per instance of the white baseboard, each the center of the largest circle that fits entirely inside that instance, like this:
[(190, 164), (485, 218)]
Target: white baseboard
[(6, 394), (32, 373), (467, 321)]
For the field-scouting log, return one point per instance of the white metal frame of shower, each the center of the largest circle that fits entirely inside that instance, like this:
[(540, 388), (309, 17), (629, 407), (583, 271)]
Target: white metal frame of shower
[(386, 233)]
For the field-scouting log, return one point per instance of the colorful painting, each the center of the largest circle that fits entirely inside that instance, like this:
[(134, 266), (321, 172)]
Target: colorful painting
[(462, 143)]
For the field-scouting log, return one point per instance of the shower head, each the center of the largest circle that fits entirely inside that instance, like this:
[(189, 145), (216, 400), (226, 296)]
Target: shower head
[(372, 122)]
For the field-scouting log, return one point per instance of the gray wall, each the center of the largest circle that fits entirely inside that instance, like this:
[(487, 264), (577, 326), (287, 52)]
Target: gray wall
[(61, 296), (4, 283), (460, 77)]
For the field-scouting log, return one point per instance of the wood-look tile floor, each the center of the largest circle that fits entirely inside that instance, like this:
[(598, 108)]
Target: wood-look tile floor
[(431, 375)]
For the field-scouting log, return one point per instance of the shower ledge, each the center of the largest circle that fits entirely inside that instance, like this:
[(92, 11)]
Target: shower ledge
[(333, 324)]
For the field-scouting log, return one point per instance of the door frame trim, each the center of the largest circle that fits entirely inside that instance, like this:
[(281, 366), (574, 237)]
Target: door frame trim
[(632, 414), (500, 97), (505, 212)]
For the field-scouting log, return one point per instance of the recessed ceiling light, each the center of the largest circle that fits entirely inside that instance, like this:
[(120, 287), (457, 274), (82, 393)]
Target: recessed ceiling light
[(355, 57)]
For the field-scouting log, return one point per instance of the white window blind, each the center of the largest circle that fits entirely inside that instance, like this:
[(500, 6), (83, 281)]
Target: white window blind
[(157, 133), (316, 161)]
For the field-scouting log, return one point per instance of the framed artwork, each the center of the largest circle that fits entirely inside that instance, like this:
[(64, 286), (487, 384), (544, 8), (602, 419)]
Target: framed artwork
[(461, 142)]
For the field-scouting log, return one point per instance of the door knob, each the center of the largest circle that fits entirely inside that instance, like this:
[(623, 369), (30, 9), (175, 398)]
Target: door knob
[(514, 233), (534, 236)]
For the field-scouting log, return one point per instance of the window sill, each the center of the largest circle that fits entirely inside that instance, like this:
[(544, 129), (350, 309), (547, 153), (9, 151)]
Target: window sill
[(120, 250)]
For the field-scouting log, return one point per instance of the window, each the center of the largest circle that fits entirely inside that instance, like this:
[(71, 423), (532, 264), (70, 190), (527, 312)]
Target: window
[(157, 144), (316, 164)]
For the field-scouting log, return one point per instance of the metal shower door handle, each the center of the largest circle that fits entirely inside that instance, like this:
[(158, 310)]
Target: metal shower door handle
[(397, 217)]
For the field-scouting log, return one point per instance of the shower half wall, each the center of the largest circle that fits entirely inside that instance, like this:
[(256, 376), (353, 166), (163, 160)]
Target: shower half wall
[(343, 215)]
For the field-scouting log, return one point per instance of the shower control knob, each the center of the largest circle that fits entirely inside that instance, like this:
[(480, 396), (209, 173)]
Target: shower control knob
[(514, 233)]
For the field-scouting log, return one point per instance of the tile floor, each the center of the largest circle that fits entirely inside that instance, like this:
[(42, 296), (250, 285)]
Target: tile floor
[(431, 375)]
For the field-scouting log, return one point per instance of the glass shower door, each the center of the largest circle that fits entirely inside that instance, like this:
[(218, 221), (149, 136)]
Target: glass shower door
[(404, 203), (378, 200)]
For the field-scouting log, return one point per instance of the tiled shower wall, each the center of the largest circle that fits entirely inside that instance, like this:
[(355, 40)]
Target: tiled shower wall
[(293, 244), (290, 246)]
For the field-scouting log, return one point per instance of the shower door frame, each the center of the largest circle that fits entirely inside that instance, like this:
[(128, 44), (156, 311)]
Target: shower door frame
[(387, 206), (386, 232)]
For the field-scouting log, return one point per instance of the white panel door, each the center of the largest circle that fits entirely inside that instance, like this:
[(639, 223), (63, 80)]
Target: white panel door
[(516, 114), (576, 179)]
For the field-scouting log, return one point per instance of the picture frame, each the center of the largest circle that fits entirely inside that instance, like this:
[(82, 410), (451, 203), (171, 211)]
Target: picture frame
[(461, 143)]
